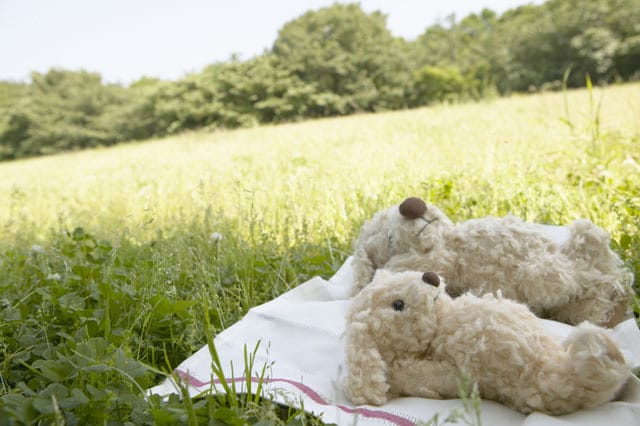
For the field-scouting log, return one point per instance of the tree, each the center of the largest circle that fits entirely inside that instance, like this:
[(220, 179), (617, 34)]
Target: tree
[(470, 46), (434, 84), (627, 58), (259, 90), (348, 55), (59, 112), (545, 40), (594, 51)]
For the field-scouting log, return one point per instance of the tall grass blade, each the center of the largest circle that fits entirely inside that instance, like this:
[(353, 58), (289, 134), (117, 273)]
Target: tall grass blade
[(594, 119), (216, 365), (567, 116)]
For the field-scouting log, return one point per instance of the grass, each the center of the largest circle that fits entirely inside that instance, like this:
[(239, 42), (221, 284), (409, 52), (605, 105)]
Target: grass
[(109, 257)]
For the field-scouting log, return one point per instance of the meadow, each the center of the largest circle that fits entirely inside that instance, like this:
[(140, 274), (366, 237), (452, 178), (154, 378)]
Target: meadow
[(109, 257)]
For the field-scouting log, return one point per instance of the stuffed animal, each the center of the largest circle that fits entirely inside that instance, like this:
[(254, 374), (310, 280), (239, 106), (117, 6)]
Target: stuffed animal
[(406, 336), (579, 280)]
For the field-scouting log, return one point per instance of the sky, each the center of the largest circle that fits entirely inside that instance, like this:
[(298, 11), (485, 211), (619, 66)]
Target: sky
[(124, 40)]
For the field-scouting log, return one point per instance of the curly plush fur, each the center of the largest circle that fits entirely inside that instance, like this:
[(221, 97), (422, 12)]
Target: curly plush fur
[(408, 337), (580, 280)]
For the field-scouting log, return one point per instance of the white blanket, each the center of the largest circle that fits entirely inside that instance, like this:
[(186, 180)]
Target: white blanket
[(300, 335)]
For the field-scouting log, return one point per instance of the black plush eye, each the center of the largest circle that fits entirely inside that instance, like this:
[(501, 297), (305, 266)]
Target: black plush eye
[(398, 305)]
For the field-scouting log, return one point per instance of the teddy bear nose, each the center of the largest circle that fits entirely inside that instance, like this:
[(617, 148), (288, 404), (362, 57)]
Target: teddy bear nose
[(431, 278), (413, 208)]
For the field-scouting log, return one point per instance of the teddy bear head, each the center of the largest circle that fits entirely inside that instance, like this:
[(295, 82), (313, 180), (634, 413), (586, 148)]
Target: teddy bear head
[(393, 318), (396, 312), (410, 226)]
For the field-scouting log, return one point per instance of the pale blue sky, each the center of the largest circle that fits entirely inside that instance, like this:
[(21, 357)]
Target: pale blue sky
[(126, 39)]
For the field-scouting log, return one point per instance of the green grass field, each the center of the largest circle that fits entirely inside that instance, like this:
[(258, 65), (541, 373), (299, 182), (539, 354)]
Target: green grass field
[(108, 257)]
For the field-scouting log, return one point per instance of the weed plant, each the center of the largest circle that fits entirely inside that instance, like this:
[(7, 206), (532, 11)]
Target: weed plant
[(110, 257)]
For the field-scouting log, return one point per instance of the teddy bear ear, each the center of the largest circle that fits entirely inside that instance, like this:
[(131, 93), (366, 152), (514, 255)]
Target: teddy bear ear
[(413, 208), (431, 278)]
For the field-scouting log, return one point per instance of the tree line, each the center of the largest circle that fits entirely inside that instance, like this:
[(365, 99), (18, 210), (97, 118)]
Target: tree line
[(333, 61)]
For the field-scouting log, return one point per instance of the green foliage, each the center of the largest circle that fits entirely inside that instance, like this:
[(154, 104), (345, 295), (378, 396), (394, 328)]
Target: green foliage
[(543, 41), (474, 47), (84, 334), (61, 111), (594, 49), (349, 56), (64, 335), (258, 91), (530, 45), (627, 58), (432, 84), (11, 92)]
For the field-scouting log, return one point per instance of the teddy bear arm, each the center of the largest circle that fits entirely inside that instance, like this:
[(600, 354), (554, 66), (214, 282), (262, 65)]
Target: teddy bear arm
[(367, 387), (363, 270), (366, 381), (425, 378), (547, 285)]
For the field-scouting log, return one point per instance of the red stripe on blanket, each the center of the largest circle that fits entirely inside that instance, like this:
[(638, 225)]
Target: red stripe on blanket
[(312, 394)]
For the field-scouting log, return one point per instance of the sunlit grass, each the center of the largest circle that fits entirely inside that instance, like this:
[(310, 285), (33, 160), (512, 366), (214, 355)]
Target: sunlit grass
[(236, 218), (313, 166), (317, 172)]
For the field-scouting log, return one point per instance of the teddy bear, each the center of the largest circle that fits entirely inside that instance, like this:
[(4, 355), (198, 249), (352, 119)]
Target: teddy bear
[(581, 279), (405, 336)]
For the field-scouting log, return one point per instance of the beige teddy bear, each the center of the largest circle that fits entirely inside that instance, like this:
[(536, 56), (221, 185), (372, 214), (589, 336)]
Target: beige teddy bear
[(406, 336), (581, 279)]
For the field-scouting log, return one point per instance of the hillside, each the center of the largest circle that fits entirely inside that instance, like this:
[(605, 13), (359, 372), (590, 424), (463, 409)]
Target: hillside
[(335, 164), (115, 253)]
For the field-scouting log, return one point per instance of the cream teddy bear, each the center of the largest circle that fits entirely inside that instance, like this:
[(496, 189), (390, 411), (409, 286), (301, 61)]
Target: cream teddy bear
[(581, 279), (406, 336)]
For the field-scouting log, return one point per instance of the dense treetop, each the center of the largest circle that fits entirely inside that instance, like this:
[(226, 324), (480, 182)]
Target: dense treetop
[(333, 61)]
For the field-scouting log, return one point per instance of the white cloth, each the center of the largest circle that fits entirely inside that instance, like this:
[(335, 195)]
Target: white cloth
[(300, 335)]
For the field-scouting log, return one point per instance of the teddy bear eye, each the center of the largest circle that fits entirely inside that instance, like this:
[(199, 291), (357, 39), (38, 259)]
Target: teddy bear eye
[(398, 305)]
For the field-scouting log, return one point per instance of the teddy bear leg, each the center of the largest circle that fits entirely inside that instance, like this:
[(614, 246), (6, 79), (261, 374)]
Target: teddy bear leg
[(601, 369), (589, 246), (621, 312), (601, 303), (425, 378), (588, 372), (605, 282)]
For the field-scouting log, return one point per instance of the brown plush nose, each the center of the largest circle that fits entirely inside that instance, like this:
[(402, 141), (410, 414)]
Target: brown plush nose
[(431, 278), (413, 208)]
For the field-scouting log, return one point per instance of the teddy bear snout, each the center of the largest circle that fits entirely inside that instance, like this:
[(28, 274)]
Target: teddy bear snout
[(431, 278), (413, 208)]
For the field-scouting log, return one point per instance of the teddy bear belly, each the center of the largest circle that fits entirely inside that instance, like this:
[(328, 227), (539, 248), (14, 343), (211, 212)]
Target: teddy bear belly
[(500, 345)]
